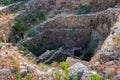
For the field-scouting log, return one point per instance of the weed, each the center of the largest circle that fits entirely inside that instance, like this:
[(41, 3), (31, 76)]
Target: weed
[(16, 64), (29, 75), (65, 66), (43, 66), (19, 77), (57, 75), (75, 77), (60, 76), (117, 39), (95, 77)]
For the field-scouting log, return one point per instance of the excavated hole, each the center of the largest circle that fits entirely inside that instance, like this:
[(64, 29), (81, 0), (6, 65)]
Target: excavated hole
[(71, 37), (68, 39), (71, 32)]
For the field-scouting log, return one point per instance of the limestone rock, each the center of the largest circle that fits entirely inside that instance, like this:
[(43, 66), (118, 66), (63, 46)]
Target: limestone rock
[(83, 71)]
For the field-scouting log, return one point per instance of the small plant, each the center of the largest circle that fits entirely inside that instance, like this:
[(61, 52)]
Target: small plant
[(4, 2), (57, 75), (42, 15), (26, 18), (34, 19), (117, 39), (95, 77), (87, 8), (29, 75), (83, 10), (32, 33), (15, 64), (25, 44), (65, 66), (76, 77), (80, 11), (19, 77), (60, 76)]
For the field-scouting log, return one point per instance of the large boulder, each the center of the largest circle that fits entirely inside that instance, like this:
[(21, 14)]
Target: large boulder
[(81, 70)]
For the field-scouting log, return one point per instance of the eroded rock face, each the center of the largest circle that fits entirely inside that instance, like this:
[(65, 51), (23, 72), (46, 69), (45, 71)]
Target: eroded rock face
[(111, 48)]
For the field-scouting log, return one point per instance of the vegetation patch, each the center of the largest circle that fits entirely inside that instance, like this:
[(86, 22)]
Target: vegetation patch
[(7, 2), (117, 39), (83, 10), (62, 76), (95, 77), (42, 15), (18, 26), (31, 33)]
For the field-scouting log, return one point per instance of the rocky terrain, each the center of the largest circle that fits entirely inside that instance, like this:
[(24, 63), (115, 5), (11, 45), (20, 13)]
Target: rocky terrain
[(59, 39)]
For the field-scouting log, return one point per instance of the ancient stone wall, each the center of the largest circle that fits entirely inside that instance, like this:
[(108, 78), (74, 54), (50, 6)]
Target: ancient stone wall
[(96, 5), (101, 21)]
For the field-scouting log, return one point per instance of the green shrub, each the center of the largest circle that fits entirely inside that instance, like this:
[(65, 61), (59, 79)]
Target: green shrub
[(117, 39), (95, 77), (83, 10), (18, 27), (34, 19), (29, 75), (65, 66), (4, 2), (32, 33), (19, 77), (80, 11), (25, 44), (87, 8), (42, 15), (26, 18)]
